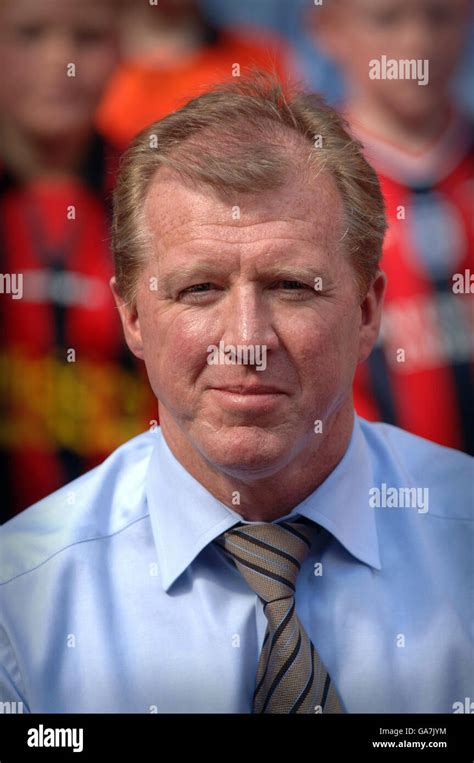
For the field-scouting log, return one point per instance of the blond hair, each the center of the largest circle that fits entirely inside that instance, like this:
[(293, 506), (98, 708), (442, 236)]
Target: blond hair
[(248, 135)]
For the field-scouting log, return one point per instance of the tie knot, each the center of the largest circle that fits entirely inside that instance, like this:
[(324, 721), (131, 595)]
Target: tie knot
[(268, 555)]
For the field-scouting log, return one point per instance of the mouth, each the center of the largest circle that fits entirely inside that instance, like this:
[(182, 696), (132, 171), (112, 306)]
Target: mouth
[(251, 389), (253, 398)]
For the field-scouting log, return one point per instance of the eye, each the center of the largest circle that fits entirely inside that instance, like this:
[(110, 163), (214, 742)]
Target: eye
[(197, 292), (287, 285), (197, 288), (89, 36), (293, 285), (289, 290), (385, 17), (439, 15), (29, 32)]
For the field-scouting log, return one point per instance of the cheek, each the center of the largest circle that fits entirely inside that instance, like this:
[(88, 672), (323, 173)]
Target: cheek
[(22, 78), (326, 350), (175, 348), (97, 66), (444, 58), (360, 48)]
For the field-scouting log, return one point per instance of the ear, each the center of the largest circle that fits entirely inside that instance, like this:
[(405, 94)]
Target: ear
[(371, 315), (130, 321)]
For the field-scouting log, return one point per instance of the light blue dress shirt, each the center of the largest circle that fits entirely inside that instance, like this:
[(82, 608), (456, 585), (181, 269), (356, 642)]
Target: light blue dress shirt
[(113, 597)]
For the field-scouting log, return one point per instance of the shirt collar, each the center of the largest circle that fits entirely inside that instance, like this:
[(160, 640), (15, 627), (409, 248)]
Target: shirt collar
[(185, 517)]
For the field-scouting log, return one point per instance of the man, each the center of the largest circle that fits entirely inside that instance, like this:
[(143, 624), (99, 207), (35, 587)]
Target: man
[(398, 58), (69, 393), (264, 550)]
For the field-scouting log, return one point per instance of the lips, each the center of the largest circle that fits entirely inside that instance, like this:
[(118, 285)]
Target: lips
[(257, 389)]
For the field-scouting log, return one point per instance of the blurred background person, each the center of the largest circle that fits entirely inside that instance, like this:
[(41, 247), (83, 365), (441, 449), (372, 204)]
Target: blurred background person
[(421, 144), (174, 50), (69, 393)]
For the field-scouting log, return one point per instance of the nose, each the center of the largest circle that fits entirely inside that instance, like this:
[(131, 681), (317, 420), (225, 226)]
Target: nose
[(249, 318), (416, 38), (58, 51)]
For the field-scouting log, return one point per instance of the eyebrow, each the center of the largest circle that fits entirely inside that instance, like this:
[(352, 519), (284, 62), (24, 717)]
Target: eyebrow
[(212, 269)]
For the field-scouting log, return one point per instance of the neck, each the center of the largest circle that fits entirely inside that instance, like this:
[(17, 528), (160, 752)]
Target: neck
[(29, 157), (269, 497), (385, 123)]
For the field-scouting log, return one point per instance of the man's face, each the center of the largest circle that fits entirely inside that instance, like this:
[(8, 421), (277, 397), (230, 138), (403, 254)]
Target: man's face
[(357, 31), (39, 39), (248, 282)]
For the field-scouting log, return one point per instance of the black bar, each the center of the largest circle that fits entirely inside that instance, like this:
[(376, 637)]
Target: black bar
[(110, 736)]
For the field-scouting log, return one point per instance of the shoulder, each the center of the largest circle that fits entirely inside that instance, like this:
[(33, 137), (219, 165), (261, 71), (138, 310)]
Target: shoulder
[(98, 504), (413, 461)]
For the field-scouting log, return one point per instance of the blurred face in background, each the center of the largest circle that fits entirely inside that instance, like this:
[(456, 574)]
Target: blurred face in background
[(165, 12), (355, 31), (39, 39), (173, 7)]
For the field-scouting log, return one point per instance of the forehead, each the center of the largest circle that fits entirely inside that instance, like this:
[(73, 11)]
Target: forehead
[(56, 11), (178, 214), (399, 5)]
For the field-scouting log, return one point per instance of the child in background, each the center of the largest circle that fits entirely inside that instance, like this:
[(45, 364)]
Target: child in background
[(69, 394), (420, 375), (172, 52)]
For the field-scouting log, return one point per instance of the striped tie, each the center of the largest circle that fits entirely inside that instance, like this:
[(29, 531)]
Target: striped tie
[(290, 675)]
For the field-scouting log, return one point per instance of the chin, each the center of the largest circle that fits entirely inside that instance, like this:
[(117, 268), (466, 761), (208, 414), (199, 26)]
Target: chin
[(245, 449), (56, 125), (416, 109)]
